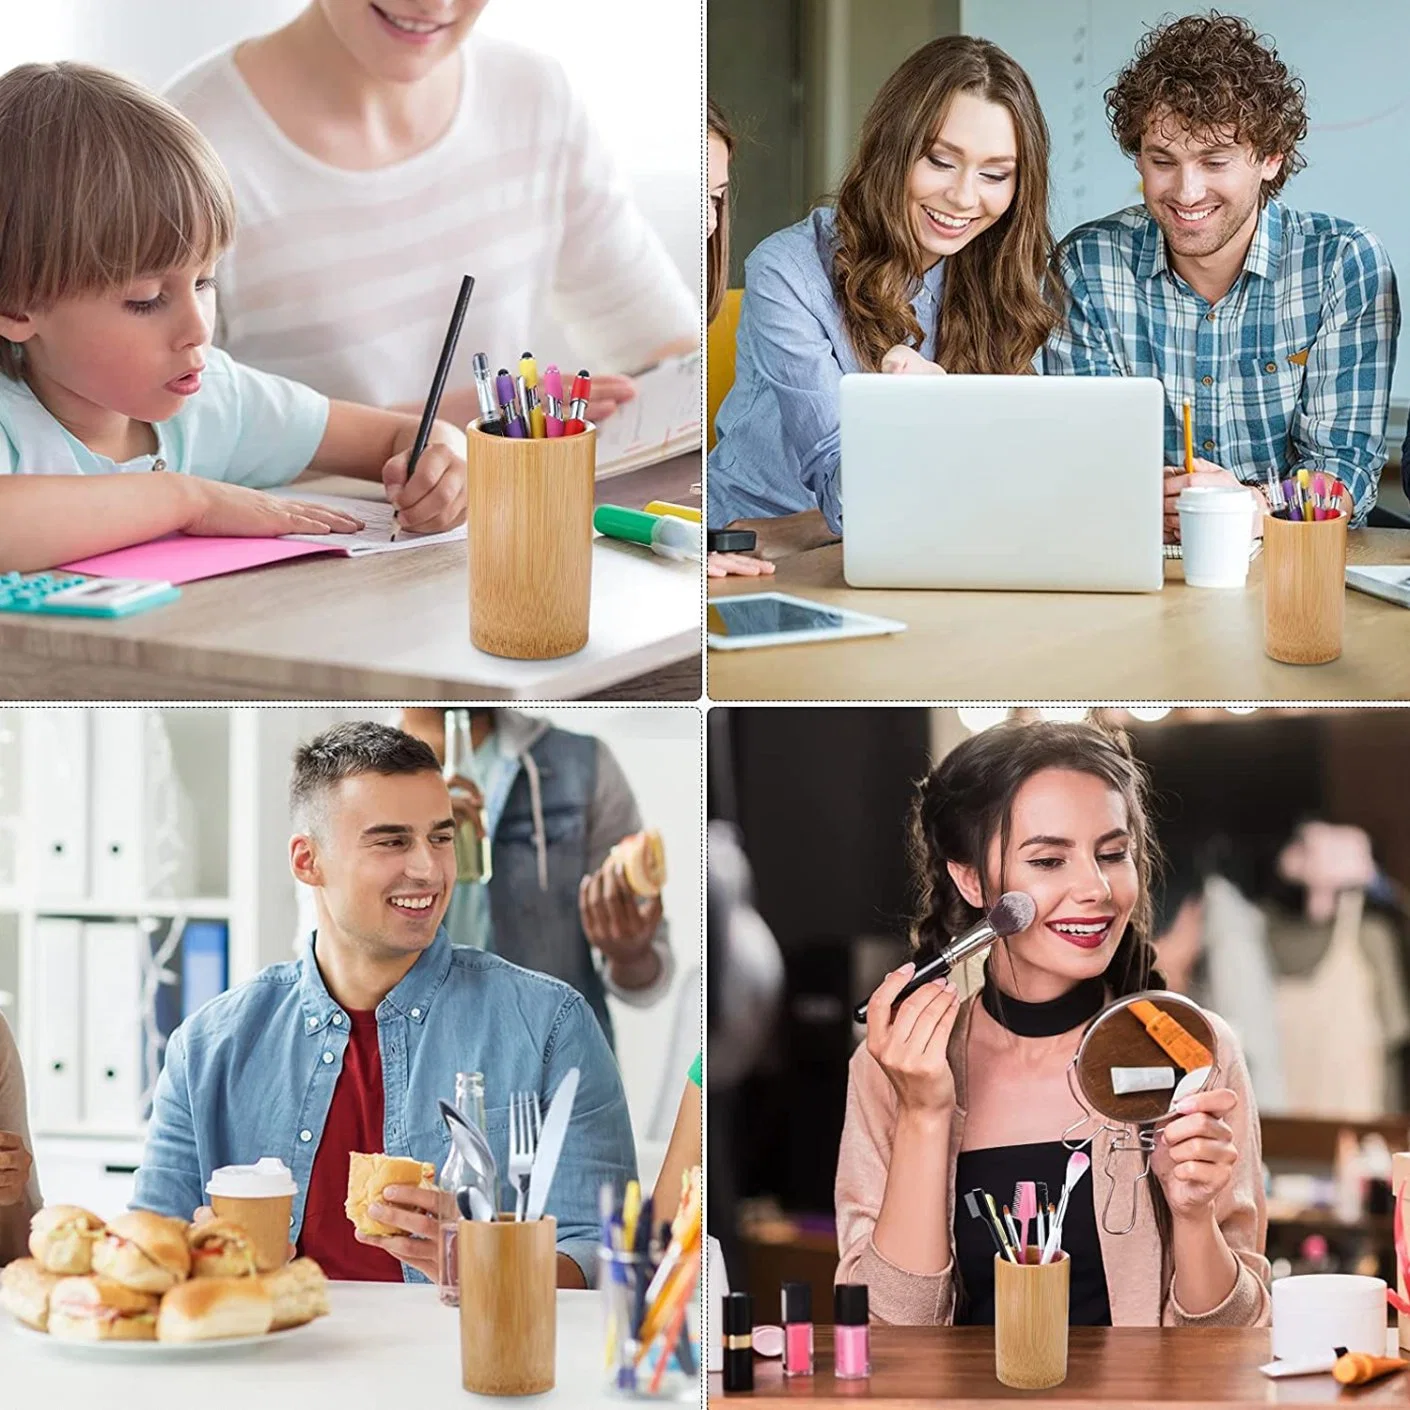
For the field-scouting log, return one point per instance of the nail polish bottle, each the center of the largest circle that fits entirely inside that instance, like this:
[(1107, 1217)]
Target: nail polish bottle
[(738, 1371), (797, 1329), (852, 1334)]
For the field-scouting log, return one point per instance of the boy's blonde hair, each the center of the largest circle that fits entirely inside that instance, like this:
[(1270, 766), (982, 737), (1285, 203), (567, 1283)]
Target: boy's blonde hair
[(100, 182)]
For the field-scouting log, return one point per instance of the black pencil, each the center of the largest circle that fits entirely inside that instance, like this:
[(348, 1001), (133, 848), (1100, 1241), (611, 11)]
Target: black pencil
[(438, 383)]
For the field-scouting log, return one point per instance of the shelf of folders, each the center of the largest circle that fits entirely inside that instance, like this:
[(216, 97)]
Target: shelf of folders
[(648, 1276)]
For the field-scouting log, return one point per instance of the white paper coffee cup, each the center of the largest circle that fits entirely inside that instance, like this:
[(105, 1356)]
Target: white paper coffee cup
[(1315, 1312), (1216, 528)]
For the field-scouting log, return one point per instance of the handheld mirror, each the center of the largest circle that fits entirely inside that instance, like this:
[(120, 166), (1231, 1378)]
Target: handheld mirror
[(1138, 1057)]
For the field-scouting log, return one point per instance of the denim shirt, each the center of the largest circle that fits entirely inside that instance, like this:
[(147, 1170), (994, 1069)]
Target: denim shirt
[(252, 1074), (778, 434)]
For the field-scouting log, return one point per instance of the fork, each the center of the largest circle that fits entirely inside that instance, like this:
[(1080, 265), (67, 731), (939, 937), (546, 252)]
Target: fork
[(524, 1127)]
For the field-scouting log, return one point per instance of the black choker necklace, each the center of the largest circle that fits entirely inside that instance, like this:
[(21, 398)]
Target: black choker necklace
[(1046, 1020)]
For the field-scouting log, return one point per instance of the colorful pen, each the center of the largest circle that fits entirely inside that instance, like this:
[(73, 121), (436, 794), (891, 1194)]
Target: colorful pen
[(529, 371), (484, 390), (552, 401), (577, 408), (513, 426)]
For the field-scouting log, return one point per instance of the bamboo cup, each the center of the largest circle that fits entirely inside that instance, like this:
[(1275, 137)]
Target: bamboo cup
[(1030, 1321), (1304, 589), (529, 530), (508, 1306)]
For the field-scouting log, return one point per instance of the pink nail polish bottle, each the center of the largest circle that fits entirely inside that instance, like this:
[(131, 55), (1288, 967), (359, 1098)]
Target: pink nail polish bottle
[(852, 1333), (797, 1329)]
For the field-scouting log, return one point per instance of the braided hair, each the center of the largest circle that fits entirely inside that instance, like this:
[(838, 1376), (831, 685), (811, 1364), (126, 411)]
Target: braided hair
[(966, 801)]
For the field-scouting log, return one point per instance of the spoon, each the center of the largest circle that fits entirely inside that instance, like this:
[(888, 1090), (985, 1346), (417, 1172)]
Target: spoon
[(474, 1149)]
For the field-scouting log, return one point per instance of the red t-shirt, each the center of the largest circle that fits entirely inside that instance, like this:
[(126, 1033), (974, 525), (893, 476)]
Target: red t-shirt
[(354, 1124)]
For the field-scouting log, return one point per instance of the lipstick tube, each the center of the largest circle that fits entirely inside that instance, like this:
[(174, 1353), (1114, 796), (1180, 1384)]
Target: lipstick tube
[(797, 1329), (852, 1334), (738, 1370)]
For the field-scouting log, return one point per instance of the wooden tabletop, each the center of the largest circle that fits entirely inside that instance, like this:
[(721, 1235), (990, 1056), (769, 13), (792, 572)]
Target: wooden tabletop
[(1177, 1368), (392, 626), (1181, 643)]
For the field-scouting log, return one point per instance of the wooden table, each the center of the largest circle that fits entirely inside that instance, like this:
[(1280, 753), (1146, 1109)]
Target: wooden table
[(392, 626), (1177, 1368), (1179, 644)]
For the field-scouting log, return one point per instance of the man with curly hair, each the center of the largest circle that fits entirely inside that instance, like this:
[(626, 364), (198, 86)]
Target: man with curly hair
[(1277, 325)]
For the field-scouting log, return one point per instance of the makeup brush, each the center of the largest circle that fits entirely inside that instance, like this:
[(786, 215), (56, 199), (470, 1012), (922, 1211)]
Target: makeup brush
[(1077, 1166), (1014, 911), (1025, 1204)]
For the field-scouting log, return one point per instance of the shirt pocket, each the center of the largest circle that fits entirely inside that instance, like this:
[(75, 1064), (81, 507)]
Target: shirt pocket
[(1272, 387)]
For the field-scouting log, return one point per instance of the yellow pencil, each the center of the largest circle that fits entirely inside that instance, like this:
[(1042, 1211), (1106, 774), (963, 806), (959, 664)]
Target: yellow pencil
[(1189, 440)]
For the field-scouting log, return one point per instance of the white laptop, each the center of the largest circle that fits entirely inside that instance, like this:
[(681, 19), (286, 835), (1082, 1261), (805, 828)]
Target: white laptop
[(1036, 483)]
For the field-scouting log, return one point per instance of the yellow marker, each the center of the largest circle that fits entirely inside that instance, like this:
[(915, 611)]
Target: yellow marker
[(631, 1211), (1189, 440), (676, 511)]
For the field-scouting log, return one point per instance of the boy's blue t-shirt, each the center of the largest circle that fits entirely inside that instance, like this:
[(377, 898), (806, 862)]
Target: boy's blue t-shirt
[(244, 426)]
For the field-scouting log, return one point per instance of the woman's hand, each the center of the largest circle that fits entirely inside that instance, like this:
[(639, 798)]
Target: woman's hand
[(911, 1047), (736, 565), (1195, 1155), (908, 361)]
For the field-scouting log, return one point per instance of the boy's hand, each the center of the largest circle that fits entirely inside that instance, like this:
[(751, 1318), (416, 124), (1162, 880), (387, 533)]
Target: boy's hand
[(234, 511), (434, 498)]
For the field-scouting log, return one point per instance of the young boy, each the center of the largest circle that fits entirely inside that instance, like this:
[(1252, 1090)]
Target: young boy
[(113, 210), (1278, 325), (378, 151)]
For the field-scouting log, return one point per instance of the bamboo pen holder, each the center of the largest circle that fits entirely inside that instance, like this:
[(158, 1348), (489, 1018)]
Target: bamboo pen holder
[(528, 525), (1030, 1321), (508, 1305), (1304, 589)]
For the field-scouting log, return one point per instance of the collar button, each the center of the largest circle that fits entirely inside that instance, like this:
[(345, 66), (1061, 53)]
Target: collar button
[(337, 1020), (416, 1013)]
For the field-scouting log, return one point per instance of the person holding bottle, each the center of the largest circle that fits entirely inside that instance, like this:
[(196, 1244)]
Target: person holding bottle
[(553, 805)]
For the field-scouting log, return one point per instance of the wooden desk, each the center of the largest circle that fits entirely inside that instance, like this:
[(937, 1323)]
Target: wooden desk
[(393, 626), (1179, 644), (1185, 1367)]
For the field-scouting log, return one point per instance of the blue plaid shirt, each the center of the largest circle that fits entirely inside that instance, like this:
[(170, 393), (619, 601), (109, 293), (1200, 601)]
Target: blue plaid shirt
[(1291, 369)]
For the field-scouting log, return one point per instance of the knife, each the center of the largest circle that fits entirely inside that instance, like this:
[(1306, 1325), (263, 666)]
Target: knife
[(555, 1128)]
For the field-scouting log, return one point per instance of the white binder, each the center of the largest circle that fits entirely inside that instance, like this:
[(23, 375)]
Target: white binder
[(56, 1048), (112, 1068), (117, 864), (55, 773)]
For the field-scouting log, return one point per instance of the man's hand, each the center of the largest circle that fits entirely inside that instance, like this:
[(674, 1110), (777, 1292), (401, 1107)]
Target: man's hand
[(618, 922), (467, 803), (1206, 475), (788, 533), (418, 1213), (15, 1165)]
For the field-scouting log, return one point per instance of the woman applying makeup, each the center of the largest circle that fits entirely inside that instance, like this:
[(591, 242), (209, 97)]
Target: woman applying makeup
[(949, 1095), (932, 259)]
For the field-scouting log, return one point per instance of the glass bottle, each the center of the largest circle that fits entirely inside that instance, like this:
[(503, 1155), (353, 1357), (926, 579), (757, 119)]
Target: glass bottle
[(472, 847), (470, 1103)]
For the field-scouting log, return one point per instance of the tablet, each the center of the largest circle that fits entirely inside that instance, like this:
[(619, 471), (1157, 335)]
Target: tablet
[(777, 619)]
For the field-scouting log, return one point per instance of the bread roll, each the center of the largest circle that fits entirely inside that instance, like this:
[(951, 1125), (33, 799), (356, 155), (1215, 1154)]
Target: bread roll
[(61, 1237), (299, 1291), (369, 1175), (642, 857), (25, 1286), (98, 1309), (220, 1248), (213, 1309), (144, 1251)]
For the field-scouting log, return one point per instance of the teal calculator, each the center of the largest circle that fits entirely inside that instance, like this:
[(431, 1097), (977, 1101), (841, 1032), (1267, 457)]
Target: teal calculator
[(69, 595)]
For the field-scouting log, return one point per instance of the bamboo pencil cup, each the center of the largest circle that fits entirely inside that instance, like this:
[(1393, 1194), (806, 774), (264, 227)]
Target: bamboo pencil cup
[(508, 1305), (528, 526), (1304, 589), (1030, 1321)]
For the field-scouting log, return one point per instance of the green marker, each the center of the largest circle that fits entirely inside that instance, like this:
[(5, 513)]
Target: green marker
[(663, 534)]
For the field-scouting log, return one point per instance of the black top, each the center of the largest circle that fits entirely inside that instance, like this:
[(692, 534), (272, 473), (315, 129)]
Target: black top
[(1083, 1002), (998, 1169)]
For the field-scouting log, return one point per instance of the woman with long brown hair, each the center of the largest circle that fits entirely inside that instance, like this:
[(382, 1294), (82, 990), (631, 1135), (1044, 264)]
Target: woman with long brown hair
[(931, 260), (946, 1095)]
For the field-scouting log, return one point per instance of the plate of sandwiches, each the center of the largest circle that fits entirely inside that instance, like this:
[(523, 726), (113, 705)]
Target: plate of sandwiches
[(147, 1285)]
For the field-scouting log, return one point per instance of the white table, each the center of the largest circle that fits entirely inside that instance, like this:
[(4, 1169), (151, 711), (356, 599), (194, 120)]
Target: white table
[(382, 1345)]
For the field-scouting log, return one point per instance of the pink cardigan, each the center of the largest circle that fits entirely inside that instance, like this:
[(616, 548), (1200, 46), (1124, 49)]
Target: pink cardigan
[(1132, 1261)]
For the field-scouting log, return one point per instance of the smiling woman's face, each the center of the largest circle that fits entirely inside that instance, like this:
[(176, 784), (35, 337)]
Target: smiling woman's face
[(1070, 849), (400, 40)]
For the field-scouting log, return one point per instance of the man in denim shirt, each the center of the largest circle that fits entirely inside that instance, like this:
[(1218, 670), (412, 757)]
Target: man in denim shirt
[(350, 1046)]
